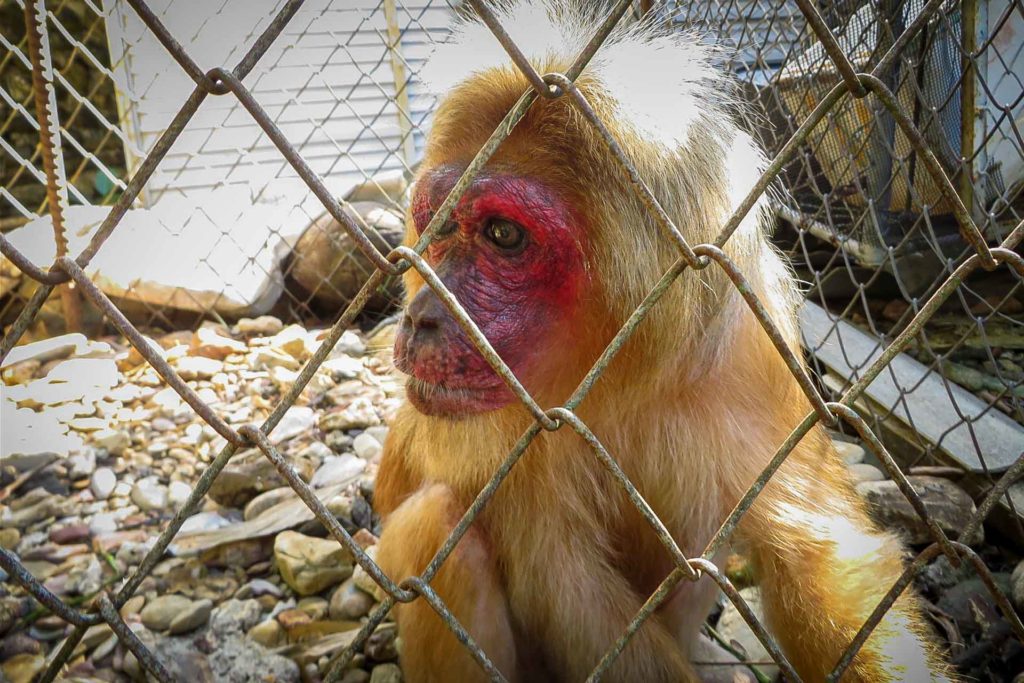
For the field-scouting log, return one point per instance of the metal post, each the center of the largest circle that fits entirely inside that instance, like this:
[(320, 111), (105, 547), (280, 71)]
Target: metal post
[(49, 138)]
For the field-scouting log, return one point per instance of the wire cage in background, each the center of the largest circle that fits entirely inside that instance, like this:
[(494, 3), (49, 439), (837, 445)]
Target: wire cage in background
[(231, 221), (864, 222), (240, 234), (341, 85)]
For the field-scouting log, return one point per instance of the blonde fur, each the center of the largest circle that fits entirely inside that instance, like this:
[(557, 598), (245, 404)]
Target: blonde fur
[(692, 407)]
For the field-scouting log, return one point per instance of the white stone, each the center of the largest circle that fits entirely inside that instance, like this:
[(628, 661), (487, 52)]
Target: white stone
[(337, 470), (149, 495), (177, 493), (366, 447), (102, 483), (113, 440), (296, 420), (46, 349)]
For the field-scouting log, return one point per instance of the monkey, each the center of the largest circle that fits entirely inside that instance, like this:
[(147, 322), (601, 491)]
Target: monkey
[(549, 251)]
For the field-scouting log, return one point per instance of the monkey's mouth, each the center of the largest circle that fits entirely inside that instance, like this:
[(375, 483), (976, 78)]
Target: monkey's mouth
[(442, 400)]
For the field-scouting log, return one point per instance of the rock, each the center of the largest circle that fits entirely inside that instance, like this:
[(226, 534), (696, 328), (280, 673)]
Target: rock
[(258, 587), (359, 414), (349, 602), (70, 533), (23, 668), (9, 538), (198, 367), (20, 373), (356, 676), (386, 673), (863, 472), (190, 618), (205, 521), (364, 581), (158, 614), (112, 440), (177, 493), (102, 483), (46, 350), (85, 579), (293, 618), (235, 615), (849, 453), (20, 644), (310, 564), (971, 604), (367, 447), (732, 628), (1017, 586), (23, 517), (263, 326), (327, 263), (251, 473), (380, 646), (315, 607), (267, 500), (149, 494), (296, 420), (82, 464), (269, 633), (947, 503), (335, 470), (718, 665), (209, 343), (242, 554)]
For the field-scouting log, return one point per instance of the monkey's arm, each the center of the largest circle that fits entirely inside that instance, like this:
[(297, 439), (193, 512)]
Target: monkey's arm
[(824, 567), (467, 583)]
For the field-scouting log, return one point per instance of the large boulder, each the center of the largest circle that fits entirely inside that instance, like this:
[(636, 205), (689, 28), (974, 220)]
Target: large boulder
[(327, 263)]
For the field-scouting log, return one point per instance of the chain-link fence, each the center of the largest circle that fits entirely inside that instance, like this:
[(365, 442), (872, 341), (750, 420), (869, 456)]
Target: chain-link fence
[(840, 207)]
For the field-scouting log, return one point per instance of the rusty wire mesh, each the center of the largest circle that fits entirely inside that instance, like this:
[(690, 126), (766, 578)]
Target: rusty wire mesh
[(852, 84)]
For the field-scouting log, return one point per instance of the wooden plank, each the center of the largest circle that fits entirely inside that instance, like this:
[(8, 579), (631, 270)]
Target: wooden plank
[(946, 415)]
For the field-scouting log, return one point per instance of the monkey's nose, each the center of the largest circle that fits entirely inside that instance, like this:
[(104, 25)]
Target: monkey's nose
[(425, 313)]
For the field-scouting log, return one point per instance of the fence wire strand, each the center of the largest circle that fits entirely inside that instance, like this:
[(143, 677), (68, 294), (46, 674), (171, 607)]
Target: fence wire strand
[(223, 82)]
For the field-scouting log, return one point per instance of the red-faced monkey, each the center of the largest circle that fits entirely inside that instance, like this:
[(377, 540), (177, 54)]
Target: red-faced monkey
[(549, 251)]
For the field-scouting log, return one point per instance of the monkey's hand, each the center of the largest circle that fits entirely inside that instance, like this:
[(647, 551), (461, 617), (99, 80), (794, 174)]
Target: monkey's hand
[(467, 583)]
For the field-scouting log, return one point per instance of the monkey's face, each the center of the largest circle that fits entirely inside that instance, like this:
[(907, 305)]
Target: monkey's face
[(513, 254)]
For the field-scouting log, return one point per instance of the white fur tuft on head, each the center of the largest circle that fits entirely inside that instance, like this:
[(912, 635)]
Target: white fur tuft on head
[(635, 67)]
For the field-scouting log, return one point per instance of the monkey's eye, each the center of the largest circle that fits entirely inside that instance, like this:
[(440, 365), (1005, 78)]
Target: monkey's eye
[(504, 234)]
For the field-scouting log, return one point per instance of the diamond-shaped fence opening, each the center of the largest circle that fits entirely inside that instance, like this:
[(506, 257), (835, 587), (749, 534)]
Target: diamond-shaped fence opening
[(894, 126)]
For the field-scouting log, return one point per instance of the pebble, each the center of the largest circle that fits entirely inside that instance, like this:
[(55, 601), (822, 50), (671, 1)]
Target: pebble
[(149, 494), (102, 483), (309, 564), (191, 617), (263, 326), (863, 472), (9, 538), (177, 493), (158, 613), (367, 447), (349, 602), (850, 453), (22, 668), (337, 470), (1017, 586), (359, 414), (946, 503), (269, 633), (83, 464), (198, 367), (386, 673), (364, 581)]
